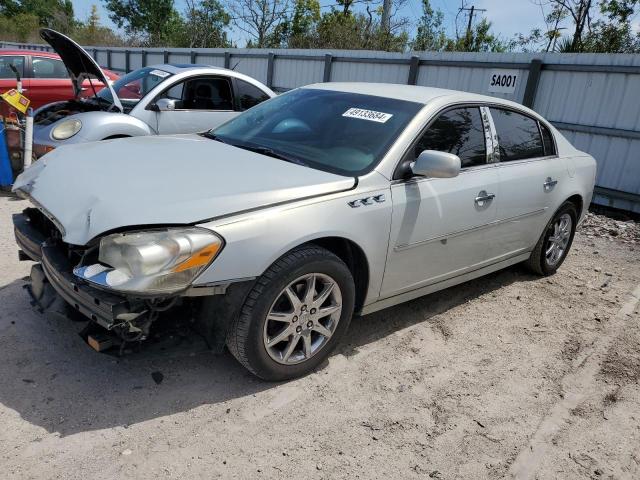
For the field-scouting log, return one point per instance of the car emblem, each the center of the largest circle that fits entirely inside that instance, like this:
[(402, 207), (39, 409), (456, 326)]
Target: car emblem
[(367, 201)]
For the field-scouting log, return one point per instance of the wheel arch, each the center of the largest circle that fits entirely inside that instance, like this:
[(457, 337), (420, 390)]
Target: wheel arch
[(355, 259), (577, 200)]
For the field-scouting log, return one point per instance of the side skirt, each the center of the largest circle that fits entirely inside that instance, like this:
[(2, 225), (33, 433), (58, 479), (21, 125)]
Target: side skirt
[(405, 297)]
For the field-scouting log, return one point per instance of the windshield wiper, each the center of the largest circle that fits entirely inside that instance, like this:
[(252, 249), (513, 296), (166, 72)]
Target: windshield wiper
[(271, 153), (213, 136)]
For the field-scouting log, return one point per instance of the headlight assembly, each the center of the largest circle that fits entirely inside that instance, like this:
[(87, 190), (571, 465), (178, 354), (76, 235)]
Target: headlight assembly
[(152, 262), (66, 129)]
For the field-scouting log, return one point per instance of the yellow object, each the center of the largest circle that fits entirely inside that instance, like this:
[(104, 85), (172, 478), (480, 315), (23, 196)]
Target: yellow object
[(16, 100)]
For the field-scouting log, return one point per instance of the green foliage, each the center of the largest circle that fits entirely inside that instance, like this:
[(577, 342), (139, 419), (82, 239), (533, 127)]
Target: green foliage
[(203, 26), (152, 19), (614, 33), (430, 34)]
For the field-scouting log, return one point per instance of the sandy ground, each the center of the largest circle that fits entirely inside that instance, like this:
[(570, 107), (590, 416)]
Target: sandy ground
[(509, 375)]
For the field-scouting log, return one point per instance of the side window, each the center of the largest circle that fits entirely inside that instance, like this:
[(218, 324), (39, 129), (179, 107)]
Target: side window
[(518, 135), (547, 140), (5, 70), (459, 131), (207, 94), (249, 95), (49, 68)]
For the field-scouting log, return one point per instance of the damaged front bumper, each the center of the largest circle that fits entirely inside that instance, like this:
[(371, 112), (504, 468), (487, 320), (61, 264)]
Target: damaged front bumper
[(208, 309)]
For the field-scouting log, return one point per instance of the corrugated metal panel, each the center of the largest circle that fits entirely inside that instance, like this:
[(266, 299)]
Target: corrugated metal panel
[(606, 99)]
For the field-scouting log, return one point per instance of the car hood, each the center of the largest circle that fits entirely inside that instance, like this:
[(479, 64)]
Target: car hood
[(91, 188), (79, 63)]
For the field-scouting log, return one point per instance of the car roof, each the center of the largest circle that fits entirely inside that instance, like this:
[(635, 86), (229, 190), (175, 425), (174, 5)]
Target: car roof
[(410, 93), (41, 53), (182, 67)]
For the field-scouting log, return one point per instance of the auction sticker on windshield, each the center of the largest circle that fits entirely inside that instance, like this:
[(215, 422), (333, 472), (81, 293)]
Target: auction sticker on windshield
[(370, 115), (159, 73)]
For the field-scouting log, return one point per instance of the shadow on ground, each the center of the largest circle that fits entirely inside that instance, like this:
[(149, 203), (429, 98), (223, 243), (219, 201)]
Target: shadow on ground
[(52, 379)]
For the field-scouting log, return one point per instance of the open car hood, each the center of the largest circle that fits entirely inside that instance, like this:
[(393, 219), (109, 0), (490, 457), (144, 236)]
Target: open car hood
[(79, 63), (92, 188)]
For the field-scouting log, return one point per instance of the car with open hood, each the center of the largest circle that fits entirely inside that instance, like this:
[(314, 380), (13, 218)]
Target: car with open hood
[(274, 229), (152, 100)]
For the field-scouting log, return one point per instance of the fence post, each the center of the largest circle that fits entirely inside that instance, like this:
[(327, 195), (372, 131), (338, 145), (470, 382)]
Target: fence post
[(227, 59), (328, 60), (143, 59), (270, 69), (95, 54), (532, 83), (166, 56), (193, 56), (414, 66), (109, 59), (127, 61)]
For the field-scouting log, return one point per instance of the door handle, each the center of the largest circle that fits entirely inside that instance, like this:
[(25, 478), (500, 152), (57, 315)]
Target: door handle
[(483, 196), (550, 183)]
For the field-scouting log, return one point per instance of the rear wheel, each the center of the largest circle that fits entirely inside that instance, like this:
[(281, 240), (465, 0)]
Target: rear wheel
[(554, 244), (295, 314)]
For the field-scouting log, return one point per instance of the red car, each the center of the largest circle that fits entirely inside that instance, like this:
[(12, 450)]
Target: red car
[(44, 77)]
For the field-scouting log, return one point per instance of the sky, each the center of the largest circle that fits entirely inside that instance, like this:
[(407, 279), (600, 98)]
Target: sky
[(508, 17)]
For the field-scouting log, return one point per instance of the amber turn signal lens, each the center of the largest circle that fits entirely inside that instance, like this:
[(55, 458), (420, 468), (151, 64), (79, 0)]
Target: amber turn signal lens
[(202, 257)]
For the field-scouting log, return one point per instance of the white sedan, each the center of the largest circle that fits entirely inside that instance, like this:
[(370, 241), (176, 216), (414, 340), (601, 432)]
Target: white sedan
[(275, 228)]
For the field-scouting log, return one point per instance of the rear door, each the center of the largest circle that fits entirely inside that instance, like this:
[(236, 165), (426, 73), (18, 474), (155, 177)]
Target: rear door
[(439, 225), (202, 103), (529, 172), (48, 81)]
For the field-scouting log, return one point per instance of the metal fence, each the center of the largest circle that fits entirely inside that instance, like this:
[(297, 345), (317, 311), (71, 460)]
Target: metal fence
[(593, 98)]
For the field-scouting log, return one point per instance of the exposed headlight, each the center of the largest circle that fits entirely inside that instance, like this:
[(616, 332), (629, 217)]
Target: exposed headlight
[(152, 262), (66, 129)]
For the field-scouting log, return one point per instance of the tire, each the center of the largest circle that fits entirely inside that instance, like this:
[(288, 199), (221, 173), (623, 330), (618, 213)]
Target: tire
[(251, 332), (539, 262)]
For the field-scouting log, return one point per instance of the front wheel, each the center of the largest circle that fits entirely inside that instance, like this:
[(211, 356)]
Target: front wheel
[(295, 314), (554, 244)]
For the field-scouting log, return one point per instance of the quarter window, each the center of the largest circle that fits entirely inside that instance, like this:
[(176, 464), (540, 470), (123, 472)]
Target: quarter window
[(547, 140), (5, 70), (518, 135), (249, 95), (48, 68), (459, 131)]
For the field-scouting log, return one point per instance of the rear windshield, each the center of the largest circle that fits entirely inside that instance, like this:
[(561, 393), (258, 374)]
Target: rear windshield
[(338, 132)]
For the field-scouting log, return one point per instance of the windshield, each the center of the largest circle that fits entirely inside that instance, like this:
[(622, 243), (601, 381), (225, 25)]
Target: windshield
[(135, 85), (338, 132)]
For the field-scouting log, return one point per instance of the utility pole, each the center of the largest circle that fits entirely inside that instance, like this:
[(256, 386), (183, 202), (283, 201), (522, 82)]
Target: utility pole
[(469, 37)]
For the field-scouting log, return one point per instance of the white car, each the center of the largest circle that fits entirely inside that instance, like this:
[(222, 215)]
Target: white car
[(275, 228), (153, 100)]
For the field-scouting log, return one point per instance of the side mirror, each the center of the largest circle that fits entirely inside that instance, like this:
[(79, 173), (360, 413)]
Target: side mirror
[(164, 105), (431, 163)]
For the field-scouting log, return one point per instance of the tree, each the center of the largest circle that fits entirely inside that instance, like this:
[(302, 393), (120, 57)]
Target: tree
[(614, 33), (430, 34), (259, 18), (205, 24), (91, 32), (155, 20)]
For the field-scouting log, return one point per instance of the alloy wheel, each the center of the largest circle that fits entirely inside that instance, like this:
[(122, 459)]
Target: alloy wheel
[(303, 318)]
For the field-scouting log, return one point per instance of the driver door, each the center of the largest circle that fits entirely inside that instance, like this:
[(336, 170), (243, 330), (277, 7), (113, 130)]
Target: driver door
[(200, 104), (439, 225)]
